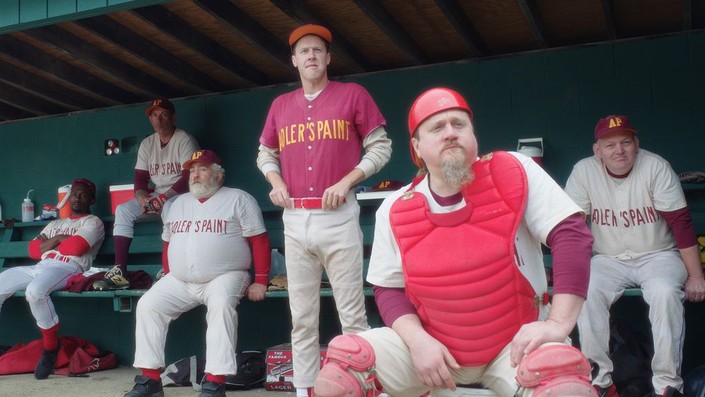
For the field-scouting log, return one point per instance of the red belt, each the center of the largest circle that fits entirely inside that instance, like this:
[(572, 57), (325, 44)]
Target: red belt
[(309, 203), (53, 255)]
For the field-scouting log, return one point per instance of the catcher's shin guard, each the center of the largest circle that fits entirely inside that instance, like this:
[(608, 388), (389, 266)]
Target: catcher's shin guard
[(347, 353), (556, 370)]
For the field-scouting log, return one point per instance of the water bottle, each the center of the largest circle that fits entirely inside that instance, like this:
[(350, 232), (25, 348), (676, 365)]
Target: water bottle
[(27, 209)]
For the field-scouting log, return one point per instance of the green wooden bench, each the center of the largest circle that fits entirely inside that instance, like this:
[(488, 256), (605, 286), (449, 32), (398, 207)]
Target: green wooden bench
[(145, 254)]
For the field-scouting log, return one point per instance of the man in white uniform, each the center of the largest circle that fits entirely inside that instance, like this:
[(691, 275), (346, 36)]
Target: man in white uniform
[(208, 236), (644, 237), (66, 247), (458, 274), (159, 160)]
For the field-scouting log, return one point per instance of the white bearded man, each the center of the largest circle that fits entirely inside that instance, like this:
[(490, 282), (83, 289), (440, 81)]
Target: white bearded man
[(211, 236)]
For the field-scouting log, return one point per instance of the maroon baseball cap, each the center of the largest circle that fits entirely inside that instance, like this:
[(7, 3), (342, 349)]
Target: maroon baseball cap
[(612, 124), (304, 30), (202, 156), (85, 182), (160, 103)]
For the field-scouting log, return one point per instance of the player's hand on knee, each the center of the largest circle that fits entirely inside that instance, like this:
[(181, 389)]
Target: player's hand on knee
[(431, 361), (256, 292)]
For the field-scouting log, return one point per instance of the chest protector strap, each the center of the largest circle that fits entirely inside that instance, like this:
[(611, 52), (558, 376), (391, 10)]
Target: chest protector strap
[(460, 268)]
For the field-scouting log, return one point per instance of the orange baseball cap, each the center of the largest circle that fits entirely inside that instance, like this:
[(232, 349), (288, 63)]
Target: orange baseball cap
[(304, 30)]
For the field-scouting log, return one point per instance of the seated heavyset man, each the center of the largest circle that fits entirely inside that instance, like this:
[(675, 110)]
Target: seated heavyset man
[(458, 274), (66, 247), (644, 237), (208, 235)]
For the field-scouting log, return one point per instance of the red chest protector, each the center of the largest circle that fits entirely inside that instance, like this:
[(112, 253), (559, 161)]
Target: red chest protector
[(459, 267)]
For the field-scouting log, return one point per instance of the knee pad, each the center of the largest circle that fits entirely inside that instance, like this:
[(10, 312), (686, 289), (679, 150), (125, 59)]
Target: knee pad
[(556, 370), (347, 353)]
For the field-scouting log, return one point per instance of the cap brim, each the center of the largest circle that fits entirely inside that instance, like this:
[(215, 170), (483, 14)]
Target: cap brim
[(617, 131), (148, 111), (189, 163)]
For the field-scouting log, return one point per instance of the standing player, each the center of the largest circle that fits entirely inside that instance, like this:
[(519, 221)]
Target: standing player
[(309, 152), (458, 274), (208, 236), (66, 247), (159, 160), (644, 237)]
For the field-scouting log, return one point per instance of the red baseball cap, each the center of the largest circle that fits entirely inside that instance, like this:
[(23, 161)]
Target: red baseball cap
[(304, 30), (202, 156), (85, 182), (160, 103), (612, 124)]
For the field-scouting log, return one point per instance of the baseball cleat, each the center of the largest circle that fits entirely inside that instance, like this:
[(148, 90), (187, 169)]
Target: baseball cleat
[(212, 389), (146, 387), (45, 366), (114, 279)]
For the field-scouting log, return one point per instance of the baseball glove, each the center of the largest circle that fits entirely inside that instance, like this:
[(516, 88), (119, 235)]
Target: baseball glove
[(278, 283), (155, 204)]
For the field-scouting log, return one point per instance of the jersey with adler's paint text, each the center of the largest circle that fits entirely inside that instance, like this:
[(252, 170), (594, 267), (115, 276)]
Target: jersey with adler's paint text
[(320, 141), (624, 213), (165, 163), (207, 239)]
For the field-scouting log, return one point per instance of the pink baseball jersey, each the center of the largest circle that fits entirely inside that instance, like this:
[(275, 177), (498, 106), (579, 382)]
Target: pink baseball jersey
[(90, 227), (165, 163), (623, 213), (207, 239), (320, 141)]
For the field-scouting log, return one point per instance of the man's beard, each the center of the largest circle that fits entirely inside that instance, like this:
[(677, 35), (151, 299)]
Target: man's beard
[(456, 171), (204, 188)]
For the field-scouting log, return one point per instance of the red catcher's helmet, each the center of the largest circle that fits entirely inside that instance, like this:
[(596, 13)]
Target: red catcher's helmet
[(429, 103)]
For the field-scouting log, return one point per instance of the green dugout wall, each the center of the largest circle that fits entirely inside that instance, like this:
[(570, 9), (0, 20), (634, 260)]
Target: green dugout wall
[(557, 95)]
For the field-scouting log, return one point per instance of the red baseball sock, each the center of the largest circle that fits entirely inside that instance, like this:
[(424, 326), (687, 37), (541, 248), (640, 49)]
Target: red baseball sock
[(50, 338), (215, 378), (154, 374)]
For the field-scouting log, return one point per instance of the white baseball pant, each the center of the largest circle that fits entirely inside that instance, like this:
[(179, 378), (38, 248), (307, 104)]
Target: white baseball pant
[(38, 281), (317, 240), (395, 369), (169, 297), (127, 213), (661, 276)]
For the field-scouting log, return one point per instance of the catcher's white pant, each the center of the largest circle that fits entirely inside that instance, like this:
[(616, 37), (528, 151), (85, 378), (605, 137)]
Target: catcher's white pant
[(661, 276), (169, 297), (395, 369), (315, 240), (127, 213), (39, 281)]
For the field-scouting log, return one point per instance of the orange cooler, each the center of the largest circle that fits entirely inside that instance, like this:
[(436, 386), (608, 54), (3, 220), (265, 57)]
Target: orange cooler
[(65, 210)]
